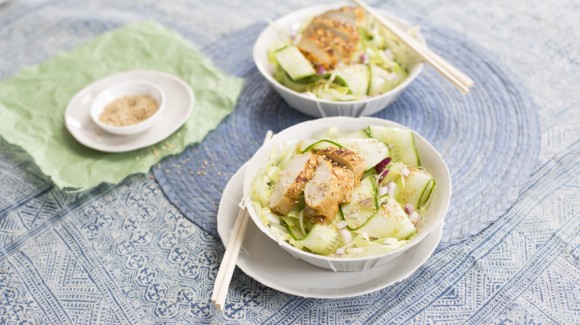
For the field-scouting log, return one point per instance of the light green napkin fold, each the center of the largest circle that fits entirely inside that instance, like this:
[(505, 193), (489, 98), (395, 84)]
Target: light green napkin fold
[(33, 102)]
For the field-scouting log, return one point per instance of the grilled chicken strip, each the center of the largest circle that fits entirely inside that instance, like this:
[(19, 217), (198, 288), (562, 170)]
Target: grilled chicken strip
[(293, 179), (348, 15), (332, 37), (322, 193), (347, 158), (345, 182)]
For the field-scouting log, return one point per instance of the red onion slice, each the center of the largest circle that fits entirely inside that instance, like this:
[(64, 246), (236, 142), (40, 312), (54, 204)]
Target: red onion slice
[(408, 208), (382, 165)]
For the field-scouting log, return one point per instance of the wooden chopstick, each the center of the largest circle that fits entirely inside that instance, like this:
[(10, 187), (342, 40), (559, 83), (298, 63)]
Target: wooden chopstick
[(452, 74), (224, 276)]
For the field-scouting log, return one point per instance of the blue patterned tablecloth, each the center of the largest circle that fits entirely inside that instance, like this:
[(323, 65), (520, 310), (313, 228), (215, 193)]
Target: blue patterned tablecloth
[(130, 254)]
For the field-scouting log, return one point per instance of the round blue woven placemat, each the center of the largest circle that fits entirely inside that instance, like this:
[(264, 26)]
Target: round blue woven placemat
[(488, 138)]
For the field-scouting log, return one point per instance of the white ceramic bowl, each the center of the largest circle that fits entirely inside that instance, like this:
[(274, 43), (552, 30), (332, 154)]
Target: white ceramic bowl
[(320, 107), (430, 159), (129, 88)]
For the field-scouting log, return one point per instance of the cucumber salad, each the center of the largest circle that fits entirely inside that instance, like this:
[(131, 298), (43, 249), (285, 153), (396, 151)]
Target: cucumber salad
[(345, 195), (340, 55)]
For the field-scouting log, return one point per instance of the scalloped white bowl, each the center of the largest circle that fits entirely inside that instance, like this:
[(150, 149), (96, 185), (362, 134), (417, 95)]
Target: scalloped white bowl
[(430, 158), (320, 107)]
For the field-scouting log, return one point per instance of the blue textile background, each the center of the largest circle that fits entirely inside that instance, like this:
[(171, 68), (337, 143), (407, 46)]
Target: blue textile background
[(127, 255)]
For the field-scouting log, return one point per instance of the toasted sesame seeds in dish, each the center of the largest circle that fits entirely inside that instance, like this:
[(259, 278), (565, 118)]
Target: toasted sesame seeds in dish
[(179, 98)]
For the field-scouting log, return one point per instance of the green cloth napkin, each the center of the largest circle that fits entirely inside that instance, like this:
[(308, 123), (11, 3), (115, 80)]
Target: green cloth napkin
[(33, 102)]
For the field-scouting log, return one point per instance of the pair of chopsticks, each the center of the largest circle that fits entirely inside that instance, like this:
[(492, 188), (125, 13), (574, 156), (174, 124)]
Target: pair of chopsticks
[(224, 276), (456, 77)]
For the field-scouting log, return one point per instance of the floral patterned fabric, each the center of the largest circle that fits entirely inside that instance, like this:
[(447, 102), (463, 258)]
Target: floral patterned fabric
[(129, 254)]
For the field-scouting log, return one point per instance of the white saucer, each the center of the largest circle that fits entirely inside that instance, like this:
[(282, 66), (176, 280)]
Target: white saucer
[(179, 105), (263, 260)]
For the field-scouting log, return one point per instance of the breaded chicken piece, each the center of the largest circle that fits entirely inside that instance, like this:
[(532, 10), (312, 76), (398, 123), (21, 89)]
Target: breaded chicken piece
[(332, 37), (348, 15), (293, 179), (347, 158), (322, 193), (345, 182)]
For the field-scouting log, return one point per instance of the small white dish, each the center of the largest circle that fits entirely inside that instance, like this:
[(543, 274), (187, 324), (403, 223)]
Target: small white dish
[(264, 261), (430, 159), (317, 107), (179, 103), (129, 88)]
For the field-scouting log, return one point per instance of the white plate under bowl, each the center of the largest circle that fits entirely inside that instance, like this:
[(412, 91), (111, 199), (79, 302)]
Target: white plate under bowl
[(263, 260), (179, 105)]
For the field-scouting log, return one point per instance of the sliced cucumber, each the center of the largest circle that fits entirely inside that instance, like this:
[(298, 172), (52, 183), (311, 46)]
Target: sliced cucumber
[(419, 186), (399, 181), (395, 169), (401, 141), (364, 37), (294, 231), (307, 145), (292, 223), (362, 205), (361, 134), (355, 77), (294, 63), (389, 221), (322, 239), (284, 79), (381, 80), (426, 196), (394, 175), (371, 150)]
